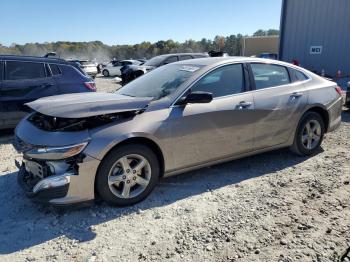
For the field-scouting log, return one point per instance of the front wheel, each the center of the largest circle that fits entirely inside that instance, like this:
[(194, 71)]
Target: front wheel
[(309, 135), (105, 73), (127, 175)]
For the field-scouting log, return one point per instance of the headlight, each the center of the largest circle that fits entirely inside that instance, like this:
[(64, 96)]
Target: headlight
[(56, 153)]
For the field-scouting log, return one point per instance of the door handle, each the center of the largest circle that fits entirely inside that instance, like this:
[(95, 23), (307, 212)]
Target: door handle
[(244, 104), (296, 95)]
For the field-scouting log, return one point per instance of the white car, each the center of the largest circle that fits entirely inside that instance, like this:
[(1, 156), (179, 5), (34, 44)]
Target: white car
[(113, 68), (89, 67)]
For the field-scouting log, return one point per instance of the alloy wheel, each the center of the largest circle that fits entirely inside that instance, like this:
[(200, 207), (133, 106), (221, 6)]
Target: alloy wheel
[(129, 176), (311, 134)]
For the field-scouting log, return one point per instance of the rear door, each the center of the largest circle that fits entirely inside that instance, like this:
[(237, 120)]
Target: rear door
[(24, 82), (278, 104)]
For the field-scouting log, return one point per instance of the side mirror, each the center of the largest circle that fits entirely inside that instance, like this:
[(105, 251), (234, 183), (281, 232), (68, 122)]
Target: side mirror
[(349, 85), (196, 98)]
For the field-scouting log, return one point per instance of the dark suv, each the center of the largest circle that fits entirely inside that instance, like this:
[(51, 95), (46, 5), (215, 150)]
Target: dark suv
[(24, 79)]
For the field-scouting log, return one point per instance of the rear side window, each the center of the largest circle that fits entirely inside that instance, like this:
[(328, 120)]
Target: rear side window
[(171, 59), (267, 75), (24, 70), (185, 57), (299, 76), (224, 81), (55, 70)]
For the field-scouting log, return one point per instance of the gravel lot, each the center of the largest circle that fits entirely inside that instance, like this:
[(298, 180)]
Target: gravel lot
[(271, 207)]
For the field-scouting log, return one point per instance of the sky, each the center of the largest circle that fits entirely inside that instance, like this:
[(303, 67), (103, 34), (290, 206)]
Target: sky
[(132, 21)]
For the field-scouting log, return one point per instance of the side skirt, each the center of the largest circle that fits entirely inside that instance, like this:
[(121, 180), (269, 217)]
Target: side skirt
[(223, 160)]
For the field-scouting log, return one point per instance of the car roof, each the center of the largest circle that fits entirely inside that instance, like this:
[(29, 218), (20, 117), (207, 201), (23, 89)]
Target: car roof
[(33, 59), (166, 55), (208, 61)]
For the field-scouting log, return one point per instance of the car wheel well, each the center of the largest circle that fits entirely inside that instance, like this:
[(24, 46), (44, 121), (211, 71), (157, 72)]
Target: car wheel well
[(141, 141), (323, 113)]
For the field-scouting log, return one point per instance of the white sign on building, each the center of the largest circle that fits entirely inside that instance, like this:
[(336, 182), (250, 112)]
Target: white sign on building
[(316, 50)]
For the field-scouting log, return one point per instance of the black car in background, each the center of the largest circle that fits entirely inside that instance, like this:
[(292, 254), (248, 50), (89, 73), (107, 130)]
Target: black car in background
[(131, 72), (24, 79)]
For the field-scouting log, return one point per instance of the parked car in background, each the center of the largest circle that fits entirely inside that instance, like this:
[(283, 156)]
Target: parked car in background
[(142, 60), (113, 68), (347, 96), (269, 56), (89, 67), (179, 117), (24, 79), (130, 73)]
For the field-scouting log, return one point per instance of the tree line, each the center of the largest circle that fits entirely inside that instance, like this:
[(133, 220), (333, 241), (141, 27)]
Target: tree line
[(102, 52)]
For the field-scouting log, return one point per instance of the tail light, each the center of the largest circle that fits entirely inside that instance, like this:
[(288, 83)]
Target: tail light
[(338, 89), (90, 85)]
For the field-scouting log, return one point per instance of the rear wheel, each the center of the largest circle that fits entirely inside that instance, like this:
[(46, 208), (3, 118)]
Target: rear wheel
[(309, 135), (127, 175), (105, 73)]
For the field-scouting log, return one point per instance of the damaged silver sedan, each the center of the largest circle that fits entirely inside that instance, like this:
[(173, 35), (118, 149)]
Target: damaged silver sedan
[(177, 118)]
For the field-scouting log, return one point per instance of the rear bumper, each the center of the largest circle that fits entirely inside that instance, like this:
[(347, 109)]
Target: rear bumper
[(334, 112)]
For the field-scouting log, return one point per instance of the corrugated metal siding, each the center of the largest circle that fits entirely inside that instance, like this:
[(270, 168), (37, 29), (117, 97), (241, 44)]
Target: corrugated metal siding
[(326, 23)]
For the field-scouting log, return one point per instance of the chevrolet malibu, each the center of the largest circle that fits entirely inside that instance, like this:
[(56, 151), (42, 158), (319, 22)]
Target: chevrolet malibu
[(177, 118)]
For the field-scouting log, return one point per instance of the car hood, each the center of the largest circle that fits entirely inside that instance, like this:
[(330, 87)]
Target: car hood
[(82, 105)]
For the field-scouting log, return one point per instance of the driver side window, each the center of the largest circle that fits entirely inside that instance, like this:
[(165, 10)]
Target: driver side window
[(224, 81)]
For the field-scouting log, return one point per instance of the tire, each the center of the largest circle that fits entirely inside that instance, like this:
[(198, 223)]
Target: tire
[(137, 74), (112, 194), (307, 143), (105, 73)]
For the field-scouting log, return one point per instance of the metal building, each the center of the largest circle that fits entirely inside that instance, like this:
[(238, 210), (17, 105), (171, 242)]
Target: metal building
[(316, 33)]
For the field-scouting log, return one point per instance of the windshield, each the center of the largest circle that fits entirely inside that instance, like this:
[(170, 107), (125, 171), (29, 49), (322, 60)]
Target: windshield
[(160, 82), (155, 61)]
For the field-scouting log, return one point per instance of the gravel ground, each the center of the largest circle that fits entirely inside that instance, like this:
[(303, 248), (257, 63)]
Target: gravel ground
[(270, 207)]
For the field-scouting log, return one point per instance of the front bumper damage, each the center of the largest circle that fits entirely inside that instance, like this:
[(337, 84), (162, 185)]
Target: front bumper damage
[(58, 183)]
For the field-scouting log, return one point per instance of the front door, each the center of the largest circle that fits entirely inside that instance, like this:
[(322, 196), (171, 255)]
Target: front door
[(212, 131), (24, 82)]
